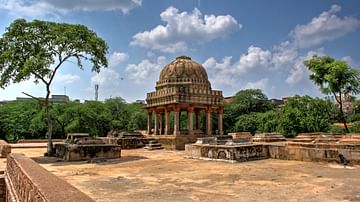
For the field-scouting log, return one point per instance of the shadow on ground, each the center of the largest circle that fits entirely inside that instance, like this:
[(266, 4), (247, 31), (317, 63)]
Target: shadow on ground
[(60, 162)]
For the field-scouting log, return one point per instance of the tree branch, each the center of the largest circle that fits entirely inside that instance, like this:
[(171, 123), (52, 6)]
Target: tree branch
[(40, 77)]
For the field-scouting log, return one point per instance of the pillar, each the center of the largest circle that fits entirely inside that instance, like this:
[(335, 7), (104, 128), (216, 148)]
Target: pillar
[(190, 113), (161, 130), (220, 120), (167, 122), (149, 125), (177, 121), (197, 119), (208, 121), (156, 128)]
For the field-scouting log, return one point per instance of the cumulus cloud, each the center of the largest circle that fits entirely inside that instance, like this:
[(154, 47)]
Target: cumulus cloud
[(255, 57), (326, 27), (260, 84), (117, 58), (42, 8), (66, 78), (145, 69), (182, 27)]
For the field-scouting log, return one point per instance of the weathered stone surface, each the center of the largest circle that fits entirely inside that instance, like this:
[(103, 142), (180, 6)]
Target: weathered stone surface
[(74, 152), (241, 136), (27, 181), (268, 137), (226, 153), (5, 149), (352, 138)]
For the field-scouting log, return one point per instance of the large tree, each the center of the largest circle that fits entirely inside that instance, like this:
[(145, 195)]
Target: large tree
[(37, 49), (334, 77)]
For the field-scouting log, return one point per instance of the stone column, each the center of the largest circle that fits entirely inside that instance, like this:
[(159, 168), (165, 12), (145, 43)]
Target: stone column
[(190, 113), (156, 128), (197, 119), (161, 130), (220, 120), (149, 125), (208, 121), (177, 121), (167, 122)]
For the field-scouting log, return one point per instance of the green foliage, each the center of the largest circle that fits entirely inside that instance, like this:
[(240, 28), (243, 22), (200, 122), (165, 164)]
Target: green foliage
[(334, 77), (268, 121), (26, 119), (247, 122), (355, 128), (305, 114), (244, 102)]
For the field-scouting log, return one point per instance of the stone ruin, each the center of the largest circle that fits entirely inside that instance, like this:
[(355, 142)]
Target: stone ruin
[(79, 146), (127, 140), (305, 147)]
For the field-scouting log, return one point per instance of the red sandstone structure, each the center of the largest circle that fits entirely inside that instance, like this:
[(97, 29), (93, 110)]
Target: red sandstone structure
[(183, 86)]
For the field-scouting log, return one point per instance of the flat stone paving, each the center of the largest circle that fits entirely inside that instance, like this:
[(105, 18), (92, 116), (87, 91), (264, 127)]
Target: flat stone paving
[(161, 175)]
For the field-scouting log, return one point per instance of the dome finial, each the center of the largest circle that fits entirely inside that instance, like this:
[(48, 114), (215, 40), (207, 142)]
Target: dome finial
[(183, 57)]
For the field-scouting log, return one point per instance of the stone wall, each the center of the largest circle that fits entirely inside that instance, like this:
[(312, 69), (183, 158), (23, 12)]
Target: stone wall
[(5, 149), (74, 152), (2, 189), (172, 142), (28, 181)]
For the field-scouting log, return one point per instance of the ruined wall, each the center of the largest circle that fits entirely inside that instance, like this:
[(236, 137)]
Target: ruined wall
[(28, 181), (5, 149), (2, 188)]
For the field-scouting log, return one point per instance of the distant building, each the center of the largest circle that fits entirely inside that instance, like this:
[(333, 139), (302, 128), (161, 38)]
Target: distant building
[(53, 98), (347, 103), (277, 102), (228, 100), (143, 102)]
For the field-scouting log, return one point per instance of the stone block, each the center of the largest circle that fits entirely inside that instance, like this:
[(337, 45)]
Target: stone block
[(5, 149)]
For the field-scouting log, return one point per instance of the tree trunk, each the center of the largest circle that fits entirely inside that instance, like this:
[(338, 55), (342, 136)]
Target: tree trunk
[(342, 116), (49, 121)]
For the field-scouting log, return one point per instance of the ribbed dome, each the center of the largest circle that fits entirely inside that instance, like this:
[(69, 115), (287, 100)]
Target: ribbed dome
[(183, 68)]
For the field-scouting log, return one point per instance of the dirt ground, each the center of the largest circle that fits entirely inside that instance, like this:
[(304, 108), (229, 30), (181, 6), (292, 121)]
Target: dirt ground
[(161, 175)]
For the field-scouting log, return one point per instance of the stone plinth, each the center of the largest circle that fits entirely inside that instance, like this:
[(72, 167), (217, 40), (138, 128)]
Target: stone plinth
[(352, 138), (206, 140), (328, 138), (226, 153), (307, 137), (75, 152), (153, 145), (268, 137), (127, 142), (5, 149), (246, 136)]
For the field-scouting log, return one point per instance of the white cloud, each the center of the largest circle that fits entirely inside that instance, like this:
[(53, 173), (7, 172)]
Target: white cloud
[(43, 8), (146, 69), (117, 58), (260, 84), (66, 78), (106, 76), (298, 70), (326, 27), (255, 57), (182, 27)]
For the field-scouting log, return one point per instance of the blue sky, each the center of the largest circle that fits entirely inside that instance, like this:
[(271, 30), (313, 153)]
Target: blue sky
[(242, 44)]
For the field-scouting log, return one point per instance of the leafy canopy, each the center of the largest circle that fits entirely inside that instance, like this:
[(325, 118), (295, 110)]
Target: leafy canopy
[(333, 76), (39, 48)]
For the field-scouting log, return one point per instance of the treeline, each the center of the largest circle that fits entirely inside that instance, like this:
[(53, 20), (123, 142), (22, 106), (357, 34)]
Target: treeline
[(250, 111), (26, 119)]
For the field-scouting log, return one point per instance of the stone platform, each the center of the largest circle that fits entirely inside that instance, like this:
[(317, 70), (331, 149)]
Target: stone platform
[(268, 137), (178, 142), (75, 152)]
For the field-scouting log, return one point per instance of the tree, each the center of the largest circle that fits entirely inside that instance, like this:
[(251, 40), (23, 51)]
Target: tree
[(334, 77), (37, 49), (305, 114)]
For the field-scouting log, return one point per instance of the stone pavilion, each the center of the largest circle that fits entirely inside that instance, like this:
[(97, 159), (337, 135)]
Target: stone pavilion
[(183, 87)]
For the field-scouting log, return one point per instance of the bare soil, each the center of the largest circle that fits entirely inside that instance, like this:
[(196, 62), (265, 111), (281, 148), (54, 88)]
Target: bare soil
[(161, 175)]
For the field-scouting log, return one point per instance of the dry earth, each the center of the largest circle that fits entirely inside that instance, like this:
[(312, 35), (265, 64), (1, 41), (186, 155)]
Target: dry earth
[(162, 175)]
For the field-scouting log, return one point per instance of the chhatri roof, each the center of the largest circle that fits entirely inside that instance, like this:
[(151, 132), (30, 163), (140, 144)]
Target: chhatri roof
[(184, 81), (183, 67)]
